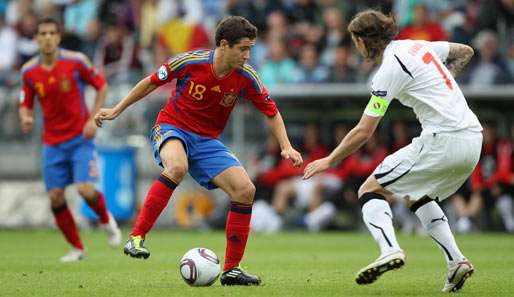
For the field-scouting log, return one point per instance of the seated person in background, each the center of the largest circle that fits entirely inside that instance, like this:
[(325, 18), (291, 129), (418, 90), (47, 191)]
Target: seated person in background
[(422, 27), (294, 188), (488, 182)]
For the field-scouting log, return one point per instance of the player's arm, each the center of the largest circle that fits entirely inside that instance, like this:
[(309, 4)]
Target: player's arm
[(142, 88), (26, 108), (278, 129), (356, 138), (26, 118), (458, 57)]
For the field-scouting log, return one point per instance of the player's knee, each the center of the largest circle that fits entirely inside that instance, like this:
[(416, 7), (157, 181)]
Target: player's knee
[(176, 171), (56, 197), (245, 194), (87, 191)]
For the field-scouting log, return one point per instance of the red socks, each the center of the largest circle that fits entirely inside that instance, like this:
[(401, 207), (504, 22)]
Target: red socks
[(156, 200), (238, 227), (100, 208), (66, 224)]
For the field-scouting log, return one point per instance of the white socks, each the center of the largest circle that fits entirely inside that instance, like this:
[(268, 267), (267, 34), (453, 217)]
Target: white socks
[(436, 224), (378, 217)]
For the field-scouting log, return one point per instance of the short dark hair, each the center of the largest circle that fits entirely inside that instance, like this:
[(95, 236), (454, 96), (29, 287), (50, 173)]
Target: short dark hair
[(48, 20), (375, 29), (233, 28)]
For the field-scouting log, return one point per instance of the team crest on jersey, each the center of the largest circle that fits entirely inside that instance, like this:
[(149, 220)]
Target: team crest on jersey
[(65, 85), (228, 99), (162, 74)]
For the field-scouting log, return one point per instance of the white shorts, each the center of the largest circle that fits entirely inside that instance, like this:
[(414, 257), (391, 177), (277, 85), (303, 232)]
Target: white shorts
[(433, 165)]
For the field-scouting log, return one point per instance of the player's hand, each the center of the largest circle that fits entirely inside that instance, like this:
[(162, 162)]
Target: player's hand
[(26, 124), (291, 153), (89, 129), (316, 167), (105, 114)]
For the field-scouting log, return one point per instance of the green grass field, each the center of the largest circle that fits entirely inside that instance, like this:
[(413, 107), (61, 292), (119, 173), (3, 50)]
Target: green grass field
[(290, 264)]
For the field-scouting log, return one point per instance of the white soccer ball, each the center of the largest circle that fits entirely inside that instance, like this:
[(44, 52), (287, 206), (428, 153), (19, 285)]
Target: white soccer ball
[(200, 267)]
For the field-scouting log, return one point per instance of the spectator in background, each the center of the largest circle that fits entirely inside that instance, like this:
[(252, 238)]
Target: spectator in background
[(295, 187), (360, 165), (341, 71), (488, 181), (335, 34), (422, 28), (91, 40), (277, 27), (511, 56), (495, 15), (189, 11), (489, 67), (304, 11), (177, 36), (310, 70), (8, 47), (27, 46), (78, 15), (256, 11), (280, 68), (400, 135), (117, 54)]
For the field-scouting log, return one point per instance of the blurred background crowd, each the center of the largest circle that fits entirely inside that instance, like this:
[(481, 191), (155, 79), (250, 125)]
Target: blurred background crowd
[(301, 42)]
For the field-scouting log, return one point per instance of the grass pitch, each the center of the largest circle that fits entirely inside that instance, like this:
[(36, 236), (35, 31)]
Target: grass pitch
[(290, 264)]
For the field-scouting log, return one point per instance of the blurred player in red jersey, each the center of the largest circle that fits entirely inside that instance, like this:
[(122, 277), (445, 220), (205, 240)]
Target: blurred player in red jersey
[(57, 77), (185, 136)]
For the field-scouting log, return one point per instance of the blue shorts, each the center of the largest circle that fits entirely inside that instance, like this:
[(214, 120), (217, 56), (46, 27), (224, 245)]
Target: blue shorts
[(207, 157), (69, 162)]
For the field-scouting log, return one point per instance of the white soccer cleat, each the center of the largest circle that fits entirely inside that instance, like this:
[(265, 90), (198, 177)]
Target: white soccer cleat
[(73, 255), (370, 273), (113, 231), (457, 275)]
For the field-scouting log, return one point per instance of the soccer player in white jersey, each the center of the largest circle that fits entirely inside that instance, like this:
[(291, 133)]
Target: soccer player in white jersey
[(420, 75)]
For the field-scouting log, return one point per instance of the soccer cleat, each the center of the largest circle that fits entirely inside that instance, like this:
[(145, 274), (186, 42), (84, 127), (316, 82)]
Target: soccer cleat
[(113, 231), (370, 273), (457, 275), (73, 255), (237, 277), (135, 248)]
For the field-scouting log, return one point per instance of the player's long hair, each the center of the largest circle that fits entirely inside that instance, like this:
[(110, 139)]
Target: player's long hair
[(233, 28), (375, 29)]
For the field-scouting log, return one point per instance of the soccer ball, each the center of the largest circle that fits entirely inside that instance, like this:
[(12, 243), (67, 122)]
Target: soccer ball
[(200, 267)]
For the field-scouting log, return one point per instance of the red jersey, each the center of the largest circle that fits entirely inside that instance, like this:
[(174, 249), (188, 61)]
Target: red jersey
[(60, 92), (201, 102)]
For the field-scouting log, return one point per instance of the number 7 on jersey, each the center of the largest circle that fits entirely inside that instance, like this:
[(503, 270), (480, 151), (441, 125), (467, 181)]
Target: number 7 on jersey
[(427, 58)]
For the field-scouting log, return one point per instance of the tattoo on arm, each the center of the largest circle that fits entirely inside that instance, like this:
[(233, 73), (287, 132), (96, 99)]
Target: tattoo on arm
[(458, 57)]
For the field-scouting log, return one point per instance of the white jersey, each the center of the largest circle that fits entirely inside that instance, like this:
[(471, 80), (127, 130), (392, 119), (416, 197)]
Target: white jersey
[(412, 71)]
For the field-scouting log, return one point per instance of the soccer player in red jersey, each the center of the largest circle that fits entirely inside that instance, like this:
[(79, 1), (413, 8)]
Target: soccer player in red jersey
[(185, 136), (57, 78)]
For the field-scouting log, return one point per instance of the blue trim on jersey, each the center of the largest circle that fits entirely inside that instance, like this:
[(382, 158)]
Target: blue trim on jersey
[(249, 76), (31, 67), (83, 107), (181, 84), (61, 58), (211, 57)]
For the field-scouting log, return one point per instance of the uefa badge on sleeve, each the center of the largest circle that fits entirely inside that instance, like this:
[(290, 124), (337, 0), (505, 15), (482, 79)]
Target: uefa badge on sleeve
[(162, 73)]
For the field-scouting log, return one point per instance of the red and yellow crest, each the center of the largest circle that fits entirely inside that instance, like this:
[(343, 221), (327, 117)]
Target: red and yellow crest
[(228, 99), (65, 85)]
